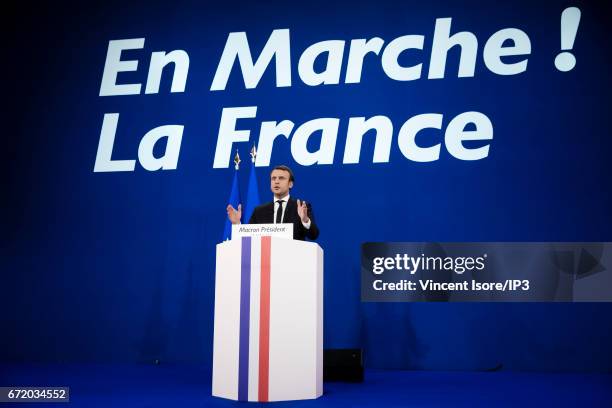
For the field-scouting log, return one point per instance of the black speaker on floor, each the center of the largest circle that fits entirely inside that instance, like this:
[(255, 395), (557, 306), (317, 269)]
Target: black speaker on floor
[(343, 365)]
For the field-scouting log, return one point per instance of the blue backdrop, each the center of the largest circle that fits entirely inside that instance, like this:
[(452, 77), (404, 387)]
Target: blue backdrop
[(120, 266)]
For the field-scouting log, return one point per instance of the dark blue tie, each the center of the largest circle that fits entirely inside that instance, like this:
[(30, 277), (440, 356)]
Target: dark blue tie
[(279, 212)]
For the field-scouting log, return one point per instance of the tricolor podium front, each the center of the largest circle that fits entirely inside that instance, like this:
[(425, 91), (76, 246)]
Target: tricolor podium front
[(268, 338)]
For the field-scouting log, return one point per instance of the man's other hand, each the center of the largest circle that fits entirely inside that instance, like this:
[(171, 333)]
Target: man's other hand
[(233, 214), (303, 211)]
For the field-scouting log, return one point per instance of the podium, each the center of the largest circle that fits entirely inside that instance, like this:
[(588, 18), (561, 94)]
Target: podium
[(268, 330)]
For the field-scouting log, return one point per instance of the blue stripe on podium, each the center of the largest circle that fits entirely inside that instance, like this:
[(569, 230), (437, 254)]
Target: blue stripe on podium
[(245, 302)]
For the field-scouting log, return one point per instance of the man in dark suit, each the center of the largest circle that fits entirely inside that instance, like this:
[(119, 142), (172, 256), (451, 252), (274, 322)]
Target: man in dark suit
[(283, 209)]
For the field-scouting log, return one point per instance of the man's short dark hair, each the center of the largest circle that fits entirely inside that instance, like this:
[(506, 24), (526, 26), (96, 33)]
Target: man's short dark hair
[(287, 169)]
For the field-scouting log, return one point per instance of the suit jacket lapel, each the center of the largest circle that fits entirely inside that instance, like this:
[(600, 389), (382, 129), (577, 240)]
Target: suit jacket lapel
[(270, 214), (290, 210)]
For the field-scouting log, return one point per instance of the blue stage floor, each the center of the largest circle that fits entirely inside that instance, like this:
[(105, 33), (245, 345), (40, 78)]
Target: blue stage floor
[(170, 385)]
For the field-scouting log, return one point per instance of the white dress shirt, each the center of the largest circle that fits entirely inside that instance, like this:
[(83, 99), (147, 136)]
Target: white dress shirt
[(284, 202)]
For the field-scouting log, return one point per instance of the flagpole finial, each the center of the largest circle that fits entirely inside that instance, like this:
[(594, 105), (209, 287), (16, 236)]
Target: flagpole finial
[(237, 160), (253, 154)]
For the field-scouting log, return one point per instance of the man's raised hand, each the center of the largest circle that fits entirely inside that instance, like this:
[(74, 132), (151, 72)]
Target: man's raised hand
[(233, 214), (302, 211)]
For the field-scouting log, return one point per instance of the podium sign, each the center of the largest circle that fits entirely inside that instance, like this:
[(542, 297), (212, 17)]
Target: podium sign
[(258, 230), (268, 330)]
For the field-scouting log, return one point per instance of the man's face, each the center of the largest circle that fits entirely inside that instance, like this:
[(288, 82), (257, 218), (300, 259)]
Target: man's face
[(279, 183)]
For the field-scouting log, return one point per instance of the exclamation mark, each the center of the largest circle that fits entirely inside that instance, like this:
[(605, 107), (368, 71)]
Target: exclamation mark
[(570, 18)]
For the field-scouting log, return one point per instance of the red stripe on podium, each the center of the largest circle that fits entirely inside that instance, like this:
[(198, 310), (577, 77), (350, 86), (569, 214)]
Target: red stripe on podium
[(264, 320)]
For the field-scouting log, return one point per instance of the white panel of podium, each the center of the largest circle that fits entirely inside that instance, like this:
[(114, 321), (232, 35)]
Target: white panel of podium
[(268, 330)]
